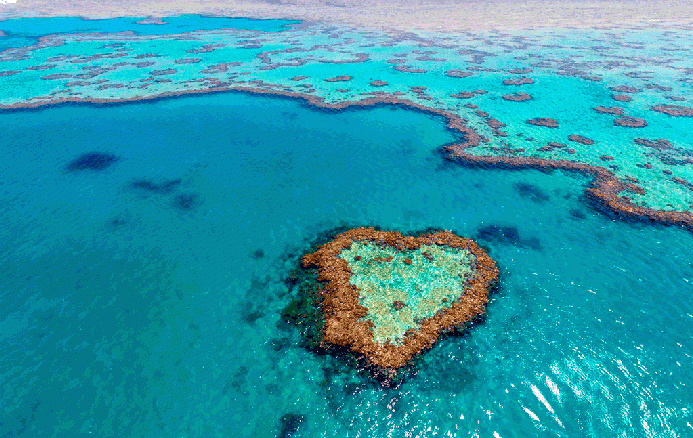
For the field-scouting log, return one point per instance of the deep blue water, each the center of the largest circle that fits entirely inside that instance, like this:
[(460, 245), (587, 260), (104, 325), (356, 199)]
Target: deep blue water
[(133, 300), (23, 32)]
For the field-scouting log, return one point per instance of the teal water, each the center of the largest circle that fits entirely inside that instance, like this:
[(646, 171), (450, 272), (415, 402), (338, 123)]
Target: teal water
[(147, 310), (141, 291)]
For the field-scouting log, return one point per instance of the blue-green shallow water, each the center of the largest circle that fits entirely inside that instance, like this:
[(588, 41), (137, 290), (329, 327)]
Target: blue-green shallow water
[(135, 312), (23, 32)]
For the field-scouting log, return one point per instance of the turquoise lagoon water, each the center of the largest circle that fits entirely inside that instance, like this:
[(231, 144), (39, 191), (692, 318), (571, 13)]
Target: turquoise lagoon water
[(144, 298)]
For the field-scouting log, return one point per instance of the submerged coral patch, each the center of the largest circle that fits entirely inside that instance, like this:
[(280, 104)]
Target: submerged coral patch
[(674, 110), (162, 188), (342, 78), (621, 98), (543, 121), (532, 192), (630, 122), (92, 161), (581, 139), (518, 81), (517, 97)]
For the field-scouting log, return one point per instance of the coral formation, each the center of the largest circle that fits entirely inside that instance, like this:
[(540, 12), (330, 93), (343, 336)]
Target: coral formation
[(630, 122), (518, 81), (517, 97), (543, 121), (342, 78), (674, 110), (581, 139), (386, 297), (625, 89), (463, 95), (621, 97), (455, 73), (613, 110)]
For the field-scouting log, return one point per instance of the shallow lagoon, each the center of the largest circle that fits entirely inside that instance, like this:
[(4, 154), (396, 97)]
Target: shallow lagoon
[(132, 311), (21, 32)]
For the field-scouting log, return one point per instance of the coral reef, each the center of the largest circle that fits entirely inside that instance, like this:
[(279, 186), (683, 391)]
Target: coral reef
[(630, 122), (518, 81), (613, 110), (517, 97), (580, 139), (385, 297), (454, 73), (674, 110), (463, 95), (543, 121), (290, 424), (342, 78), (621, 97), (625, 89)]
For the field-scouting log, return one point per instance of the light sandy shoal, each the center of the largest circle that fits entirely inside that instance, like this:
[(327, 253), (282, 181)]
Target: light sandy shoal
[(444, 15)]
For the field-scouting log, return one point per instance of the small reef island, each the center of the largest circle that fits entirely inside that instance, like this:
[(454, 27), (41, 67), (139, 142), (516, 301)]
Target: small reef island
[(382, 298)]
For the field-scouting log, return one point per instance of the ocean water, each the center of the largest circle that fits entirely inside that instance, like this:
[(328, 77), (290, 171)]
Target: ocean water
[(143, 297), (127, 312)]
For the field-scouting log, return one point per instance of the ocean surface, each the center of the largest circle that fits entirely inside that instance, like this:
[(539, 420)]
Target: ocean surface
[(141, 286)]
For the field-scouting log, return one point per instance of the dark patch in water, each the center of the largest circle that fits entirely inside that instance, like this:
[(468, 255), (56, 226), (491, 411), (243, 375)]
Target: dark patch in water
[(446, 166), (290, 423), (291, 280), (500, 234), (92, 161), (280, 344), (236, 381), (251, 314), (290, 115), (451, 376), (258, 254), (273, 388), (532, 243), (532, 192), (353, 388), (255, 300), (258, 285), (162, 189), (117, 222), (186, 201), (577, 214), (145, 185), (506, 235), (17, 424)]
